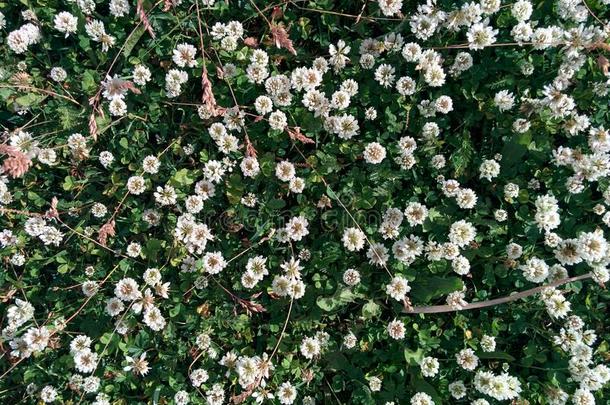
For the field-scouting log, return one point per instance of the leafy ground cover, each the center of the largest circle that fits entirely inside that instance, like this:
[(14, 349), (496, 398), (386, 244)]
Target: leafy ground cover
[(310, 202)]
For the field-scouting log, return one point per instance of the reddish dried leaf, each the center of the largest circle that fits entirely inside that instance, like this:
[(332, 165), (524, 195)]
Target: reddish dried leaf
[(93, 126), (238, 399), (252, 306), (220, 73), (144, 18), (277, 13), (250, 150), (17, 163), (128, 85), (52, 212), (603, 64), (296, 135), (251, 42), (105, 231), (167, 5), (281, 39), (207, 96)]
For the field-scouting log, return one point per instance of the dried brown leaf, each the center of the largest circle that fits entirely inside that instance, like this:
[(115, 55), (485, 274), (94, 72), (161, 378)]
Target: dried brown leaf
[(52, 212), (17, 163), (296, 135), (251, 42), (603, 64), (144, 18), (128, 85), (93, 126), (250, 150), (600, 45), (105, 231), (281, 39)]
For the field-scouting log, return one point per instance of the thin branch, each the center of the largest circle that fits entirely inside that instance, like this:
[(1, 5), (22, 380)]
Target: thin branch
[(592, 13), (258, 10), (279, 340), (435, 309), (39, 90), (356, 17)]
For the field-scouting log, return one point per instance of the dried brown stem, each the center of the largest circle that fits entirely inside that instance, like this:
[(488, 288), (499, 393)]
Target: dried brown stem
[(435, 309)]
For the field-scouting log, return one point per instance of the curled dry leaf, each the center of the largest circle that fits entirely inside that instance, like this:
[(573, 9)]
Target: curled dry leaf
[(251, 42), (207, 96), (8, 295), (52, 212), (128, 85), (93, 126), (296, 135), (144, 18), (17, 163), (603, 64), (281, 39), (105, 231), (250, 150)]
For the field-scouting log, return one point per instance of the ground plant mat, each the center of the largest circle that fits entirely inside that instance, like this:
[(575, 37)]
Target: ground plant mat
[(390, 202)]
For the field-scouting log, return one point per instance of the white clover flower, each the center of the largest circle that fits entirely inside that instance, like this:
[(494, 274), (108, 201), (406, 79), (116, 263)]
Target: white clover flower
[(374, 153), (184, 55), (285, 171), (65, 23), (480, 36), (504, 100), (489, 169), (396, 329), (429, 366), (58, 74), (141, 75), (286, 393), (390, 8), (398, 288)]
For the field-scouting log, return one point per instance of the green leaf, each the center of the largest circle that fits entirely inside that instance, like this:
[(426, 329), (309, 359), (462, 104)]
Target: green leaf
[(418, 384), (152, 248), (30, 99), (496, 356), (132, 41), (331, 194), (413, 358), (235, 189), (462, 157), (89, 82), (427, 288), (183, 177), (341, 297), (371, 310), (175, 311), (276, 204), (68, 183)]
